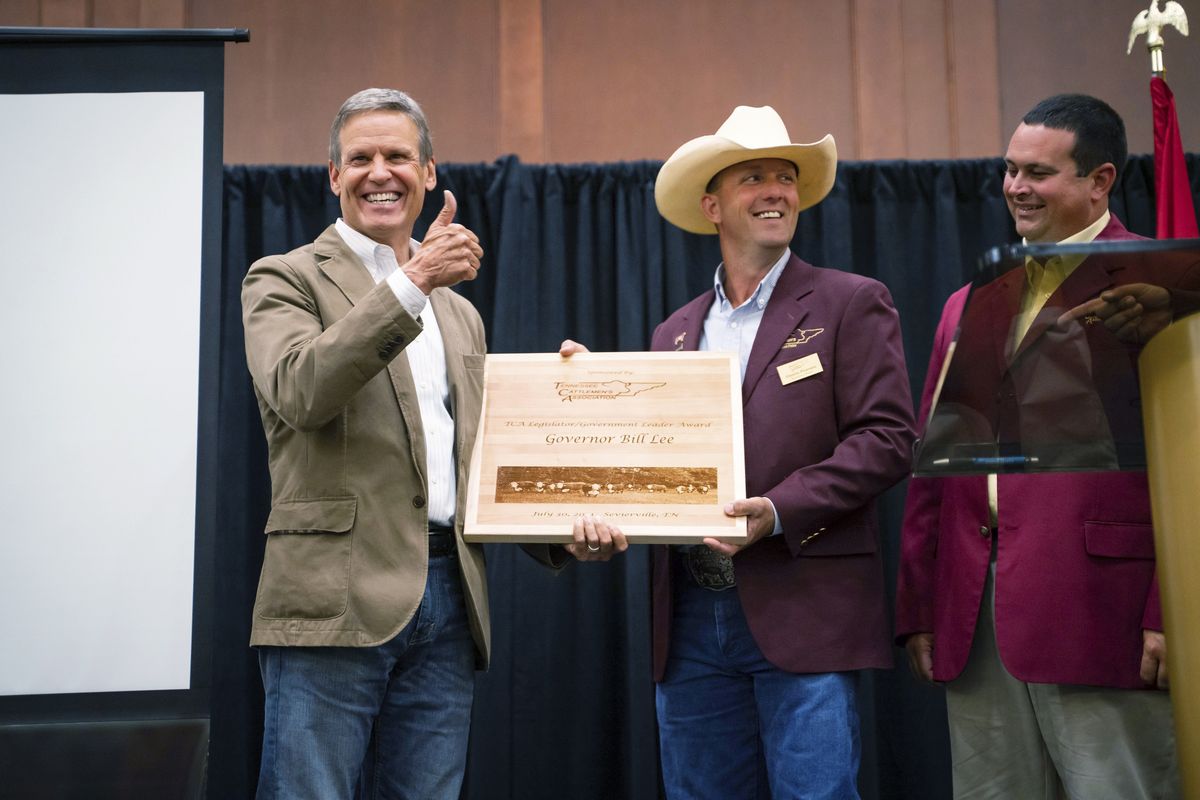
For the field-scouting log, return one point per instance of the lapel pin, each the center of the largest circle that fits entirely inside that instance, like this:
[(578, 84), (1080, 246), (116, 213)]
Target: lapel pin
[(802, 336)]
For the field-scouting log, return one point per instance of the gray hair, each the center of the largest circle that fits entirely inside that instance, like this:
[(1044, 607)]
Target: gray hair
[(380, 100)]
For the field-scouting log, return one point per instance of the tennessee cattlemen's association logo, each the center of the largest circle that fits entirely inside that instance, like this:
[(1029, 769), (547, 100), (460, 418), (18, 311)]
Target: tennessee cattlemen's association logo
[(802, 336), (602, 390)]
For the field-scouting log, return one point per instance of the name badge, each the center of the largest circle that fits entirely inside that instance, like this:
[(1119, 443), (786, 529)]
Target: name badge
[(800, 368)]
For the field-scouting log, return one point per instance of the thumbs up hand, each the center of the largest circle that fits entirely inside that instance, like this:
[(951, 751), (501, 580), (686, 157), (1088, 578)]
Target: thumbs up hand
[(449, 254), (446, 216)]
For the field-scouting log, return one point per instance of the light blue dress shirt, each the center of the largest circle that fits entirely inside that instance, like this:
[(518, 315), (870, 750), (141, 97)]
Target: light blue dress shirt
[(732, 330)]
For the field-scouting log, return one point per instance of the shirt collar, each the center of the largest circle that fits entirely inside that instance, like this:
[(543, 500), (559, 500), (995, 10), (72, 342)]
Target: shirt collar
[(762, 294), (1090, 232), (1033, 269), (375, 257)]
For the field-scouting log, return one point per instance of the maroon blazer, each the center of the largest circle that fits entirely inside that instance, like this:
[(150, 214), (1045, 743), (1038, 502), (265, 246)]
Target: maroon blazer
[(822, 449), (1075, 577)]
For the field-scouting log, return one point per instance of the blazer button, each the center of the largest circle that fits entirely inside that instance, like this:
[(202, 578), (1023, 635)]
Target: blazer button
[(388, 349), (418, 502), (985, 531)]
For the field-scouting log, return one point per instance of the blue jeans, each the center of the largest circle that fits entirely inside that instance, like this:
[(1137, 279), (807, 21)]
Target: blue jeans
[(732, 725), (403, 708)]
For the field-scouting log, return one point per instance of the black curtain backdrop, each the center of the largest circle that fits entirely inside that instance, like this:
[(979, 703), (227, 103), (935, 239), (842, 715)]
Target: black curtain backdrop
[(567, 710)]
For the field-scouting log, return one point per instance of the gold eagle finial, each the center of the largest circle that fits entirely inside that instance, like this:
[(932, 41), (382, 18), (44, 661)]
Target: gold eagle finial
[(1151, 21)]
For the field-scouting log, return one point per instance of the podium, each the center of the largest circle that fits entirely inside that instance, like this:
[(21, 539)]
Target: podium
[(1170, 378)]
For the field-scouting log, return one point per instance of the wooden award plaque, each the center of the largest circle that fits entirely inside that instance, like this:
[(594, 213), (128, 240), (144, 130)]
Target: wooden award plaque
[(651, 441)]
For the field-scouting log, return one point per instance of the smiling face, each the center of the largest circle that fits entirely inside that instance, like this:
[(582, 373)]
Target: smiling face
[(381, 182), (1046, 196), (754, 204)]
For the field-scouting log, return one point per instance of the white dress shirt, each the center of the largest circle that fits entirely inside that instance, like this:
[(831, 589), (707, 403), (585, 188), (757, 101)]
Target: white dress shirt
[(427, 359)]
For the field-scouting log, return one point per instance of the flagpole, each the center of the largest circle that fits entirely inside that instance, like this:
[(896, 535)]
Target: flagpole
[(1170, 374), (1175, 210)]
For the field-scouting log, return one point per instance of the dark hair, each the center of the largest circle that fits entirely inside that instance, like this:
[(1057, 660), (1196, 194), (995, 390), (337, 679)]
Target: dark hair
[(1099, 131), (380, 100)]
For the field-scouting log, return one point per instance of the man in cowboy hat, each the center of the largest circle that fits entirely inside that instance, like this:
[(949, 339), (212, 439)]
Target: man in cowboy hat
[(755, 646)]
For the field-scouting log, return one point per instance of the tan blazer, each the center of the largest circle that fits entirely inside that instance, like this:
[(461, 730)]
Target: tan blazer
[(347, 546)]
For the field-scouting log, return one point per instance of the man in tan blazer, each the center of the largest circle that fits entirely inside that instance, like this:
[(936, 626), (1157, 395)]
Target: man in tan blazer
[(371, 613)]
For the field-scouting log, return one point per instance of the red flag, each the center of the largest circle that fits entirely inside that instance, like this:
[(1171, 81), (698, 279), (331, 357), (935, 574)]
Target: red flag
[(1172, 192)]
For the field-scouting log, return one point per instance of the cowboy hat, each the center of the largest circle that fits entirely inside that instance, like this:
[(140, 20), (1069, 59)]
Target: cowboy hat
[(749, 133)]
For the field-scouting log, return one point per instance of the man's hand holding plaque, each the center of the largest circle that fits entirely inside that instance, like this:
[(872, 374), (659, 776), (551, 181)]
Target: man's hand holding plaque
[(760, 522), (595, 538)]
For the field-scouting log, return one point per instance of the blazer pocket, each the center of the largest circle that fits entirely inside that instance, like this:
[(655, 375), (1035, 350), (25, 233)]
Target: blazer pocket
[(472, 375), (306, 568), (1119, 539), (317, 515)]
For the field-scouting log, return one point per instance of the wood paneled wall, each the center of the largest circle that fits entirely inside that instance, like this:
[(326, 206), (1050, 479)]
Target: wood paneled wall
[(95, 13), (569, 81)]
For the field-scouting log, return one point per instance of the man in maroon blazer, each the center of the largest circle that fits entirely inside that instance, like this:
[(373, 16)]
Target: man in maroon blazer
[(755, 646), (1033, 596)]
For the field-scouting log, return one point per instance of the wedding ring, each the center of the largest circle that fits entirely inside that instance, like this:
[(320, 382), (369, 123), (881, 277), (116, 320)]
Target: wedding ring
[(595, 549)]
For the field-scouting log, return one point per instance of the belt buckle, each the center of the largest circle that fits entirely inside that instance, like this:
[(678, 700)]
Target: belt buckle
[(709, 569), (441, 543)]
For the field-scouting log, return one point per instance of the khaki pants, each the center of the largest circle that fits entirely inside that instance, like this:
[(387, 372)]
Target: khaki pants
[(1012, 740)]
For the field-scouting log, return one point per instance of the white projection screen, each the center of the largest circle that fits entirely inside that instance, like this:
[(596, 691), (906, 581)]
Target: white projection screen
[(100, 358), (111, 365)]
